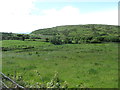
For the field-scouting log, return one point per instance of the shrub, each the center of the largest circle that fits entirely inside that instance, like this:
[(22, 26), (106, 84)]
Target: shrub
[(47, 39), (95, 40), (55, 82), (56, 40)]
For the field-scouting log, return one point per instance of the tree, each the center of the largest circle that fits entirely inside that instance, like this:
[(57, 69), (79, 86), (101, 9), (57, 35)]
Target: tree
[(56, 40), (21, 36)]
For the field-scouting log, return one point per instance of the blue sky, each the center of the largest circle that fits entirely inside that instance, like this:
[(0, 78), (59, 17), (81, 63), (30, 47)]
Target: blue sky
[(22, 16), (85, 7)]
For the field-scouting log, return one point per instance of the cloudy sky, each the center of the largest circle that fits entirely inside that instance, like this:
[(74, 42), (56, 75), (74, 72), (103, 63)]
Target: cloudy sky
[(23, 16)]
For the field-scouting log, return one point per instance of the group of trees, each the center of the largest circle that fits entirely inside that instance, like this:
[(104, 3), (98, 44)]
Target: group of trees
[(86, 39), (13, 36), (66, 37)]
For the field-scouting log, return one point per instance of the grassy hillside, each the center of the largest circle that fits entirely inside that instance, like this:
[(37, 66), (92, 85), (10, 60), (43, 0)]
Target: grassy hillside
[(71, 34), (82, 29), (92, 33)]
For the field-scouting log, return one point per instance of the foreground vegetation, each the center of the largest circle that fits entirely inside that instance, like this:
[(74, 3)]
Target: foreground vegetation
[(87, 65)]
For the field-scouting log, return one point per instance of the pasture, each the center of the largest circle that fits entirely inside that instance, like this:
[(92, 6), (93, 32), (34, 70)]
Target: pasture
[(93, 65)]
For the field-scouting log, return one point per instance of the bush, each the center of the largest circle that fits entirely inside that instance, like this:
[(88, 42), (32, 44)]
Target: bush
[(56, 40), (112, 39), (95, 40), (101, 38), (47, 39)]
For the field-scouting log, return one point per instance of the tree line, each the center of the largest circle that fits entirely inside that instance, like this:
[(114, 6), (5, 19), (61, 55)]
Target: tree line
[(14, 36)]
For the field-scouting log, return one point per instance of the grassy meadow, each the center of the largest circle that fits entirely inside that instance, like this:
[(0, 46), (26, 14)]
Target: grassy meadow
[(87, 64)]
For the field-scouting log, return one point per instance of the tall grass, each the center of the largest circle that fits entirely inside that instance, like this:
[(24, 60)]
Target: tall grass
[(93, 65)]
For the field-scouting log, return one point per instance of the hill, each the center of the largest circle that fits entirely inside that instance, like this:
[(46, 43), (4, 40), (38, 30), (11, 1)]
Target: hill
[(79, 28), (90, 33)]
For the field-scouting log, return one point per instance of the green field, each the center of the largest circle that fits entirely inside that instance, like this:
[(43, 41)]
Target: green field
[(93, 65)]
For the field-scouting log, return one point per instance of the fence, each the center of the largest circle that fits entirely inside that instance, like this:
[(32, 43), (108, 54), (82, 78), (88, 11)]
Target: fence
[(4, 85)]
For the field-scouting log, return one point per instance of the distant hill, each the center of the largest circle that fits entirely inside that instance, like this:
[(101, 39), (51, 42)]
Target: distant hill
[(81, 29), (72, 34), (90, 33)]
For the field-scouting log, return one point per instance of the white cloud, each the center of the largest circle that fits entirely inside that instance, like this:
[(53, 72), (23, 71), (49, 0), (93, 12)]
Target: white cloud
[(104, 17), (66, 15), (16, 7), (15, 16), (70, 16)]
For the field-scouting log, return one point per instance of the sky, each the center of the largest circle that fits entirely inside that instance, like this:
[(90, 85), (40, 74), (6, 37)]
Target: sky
[(25, 16)]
